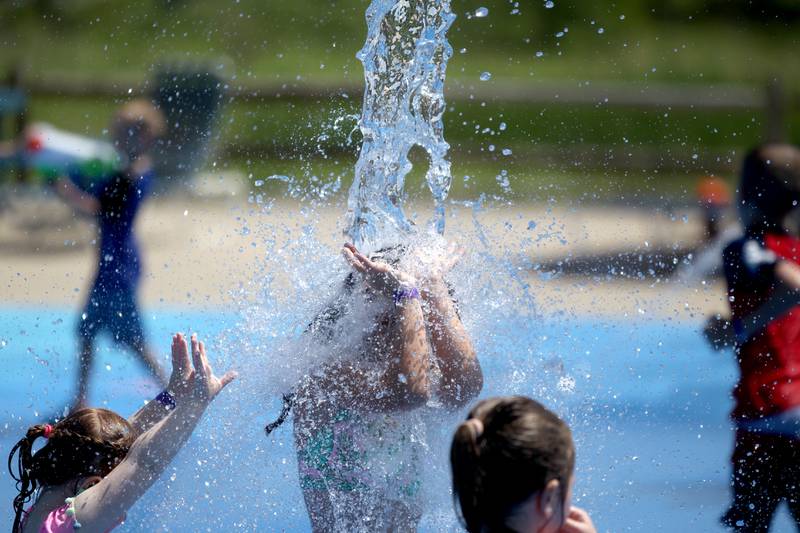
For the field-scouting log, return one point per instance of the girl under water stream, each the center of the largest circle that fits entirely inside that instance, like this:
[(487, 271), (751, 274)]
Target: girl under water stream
[(395, 344)]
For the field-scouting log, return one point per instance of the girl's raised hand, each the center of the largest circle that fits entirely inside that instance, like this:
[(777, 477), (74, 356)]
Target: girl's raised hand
[(440, 261), (193, 381), (379, 276), (205, 384), (431, 266), (180, 380)]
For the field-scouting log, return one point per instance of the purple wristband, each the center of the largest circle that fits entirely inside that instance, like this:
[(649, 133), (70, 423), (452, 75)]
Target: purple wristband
[(405, 293), (166, 399)]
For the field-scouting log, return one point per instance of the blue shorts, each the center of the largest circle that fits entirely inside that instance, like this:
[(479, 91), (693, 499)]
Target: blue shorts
[(112, 307)]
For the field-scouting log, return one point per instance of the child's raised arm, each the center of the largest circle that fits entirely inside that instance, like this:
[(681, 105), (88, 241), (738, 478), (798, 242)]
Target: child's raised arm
[(99, 507), (462, 377), (405, 384), (74, 196), (155, 410)]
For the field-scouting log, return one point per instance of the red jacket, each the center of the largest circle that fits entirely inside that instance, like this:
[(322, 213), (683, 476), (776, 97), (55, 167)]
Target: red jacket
[(770, 360)]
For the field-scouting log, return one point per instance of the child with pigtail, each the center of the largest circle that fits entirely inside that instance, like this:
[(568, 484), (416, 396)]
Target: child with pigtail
[(512, 462), (96, 465)]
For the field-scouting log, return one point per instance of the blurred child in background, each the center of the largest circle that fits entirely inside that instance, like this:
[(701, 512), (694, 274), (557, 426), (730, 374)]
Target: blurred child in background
[(96, 465), (763, 277), (111, 304), (512, 462)]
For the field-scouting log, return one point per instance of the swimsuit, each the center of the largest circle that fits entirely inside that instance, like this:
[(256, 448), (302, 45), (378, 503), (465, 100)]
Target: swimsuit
[(62, 519), (375, 452)]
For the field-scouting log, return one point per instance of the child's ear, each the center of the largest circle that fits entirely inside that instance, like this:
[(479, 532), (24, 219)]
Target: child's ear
[(549, 501)]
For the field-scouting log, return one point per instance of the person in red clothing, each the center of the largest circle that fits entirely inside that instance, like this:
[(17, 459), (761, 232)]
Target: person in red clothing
[(762, 270)]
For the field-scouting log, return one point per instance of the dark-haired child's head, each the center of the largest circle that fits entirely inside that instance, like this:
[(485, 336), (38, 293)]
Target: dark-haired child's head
[(135, 128), (512, 462), (80, 450), (770, 187)]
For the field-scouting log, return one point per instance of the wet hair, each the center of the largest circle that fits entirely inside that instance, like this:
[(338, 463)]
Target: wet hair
[(770, 187), (89, 442), (508, 449)]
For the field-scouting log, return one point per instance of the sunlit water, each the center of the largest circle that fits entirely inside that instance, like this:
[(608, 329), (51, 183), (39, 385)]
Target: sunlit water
[(405, 61), (646, 399)]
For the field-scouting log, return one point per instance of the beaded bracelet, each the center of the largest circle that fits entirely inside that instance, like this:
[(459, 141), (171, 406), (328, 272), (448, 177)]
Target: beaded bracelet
[(71, 512)]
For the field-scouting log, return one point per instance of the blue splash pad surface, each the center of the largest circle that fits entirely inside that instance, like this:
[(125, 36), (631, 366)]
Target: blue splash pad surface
[(646, 399)]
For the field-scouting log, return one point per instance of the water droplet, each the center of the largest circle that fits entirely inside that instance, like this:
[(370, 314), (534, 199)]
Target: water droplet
[(258, 183), (566, 384), (486, 76), (108, 367), (549, 4), (481, 12), (601, 30), (502, 126), (539, 54), (506, 151), (622, 17)]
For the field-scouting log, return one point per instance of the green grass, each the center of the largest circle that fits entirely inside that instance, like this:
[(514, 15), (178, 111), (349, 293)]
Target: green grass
[(302, 128), (317, 39), (474, 179), (557, 149)]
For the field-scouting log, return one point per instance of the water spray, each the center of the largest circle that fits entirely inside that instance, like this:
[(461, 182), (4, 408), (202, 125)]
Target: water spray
[(405, 61)]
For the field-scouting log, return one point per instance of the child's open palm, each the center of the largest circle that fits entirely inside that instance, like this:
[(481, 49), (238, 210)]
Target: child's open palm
[(193, 380)]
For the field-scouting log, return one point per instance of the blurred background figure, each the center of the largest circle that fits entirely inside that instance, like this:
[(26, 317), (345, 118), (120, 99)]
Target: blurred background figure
[(762, 270), (115, 201), (720, 226), (714, 196)]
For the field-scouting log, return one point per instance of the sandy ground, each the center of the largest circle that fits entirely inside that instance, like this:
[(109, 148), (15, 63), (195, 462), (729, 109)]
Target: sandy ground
[(205, 252)]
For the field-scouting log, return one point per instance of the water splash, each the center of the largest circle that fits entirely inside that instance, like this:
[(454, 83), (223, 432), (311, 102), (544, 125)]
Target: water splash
[(405, 61)]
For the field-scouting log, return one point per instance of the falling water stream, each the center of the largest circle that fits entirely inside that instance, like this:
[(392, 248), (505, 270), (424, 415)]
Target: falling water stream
[(405, 61)]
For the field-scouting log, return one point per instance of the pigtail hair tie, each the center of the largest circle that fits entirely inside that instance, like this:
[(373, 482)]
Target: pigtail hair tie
[(47, 431)]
